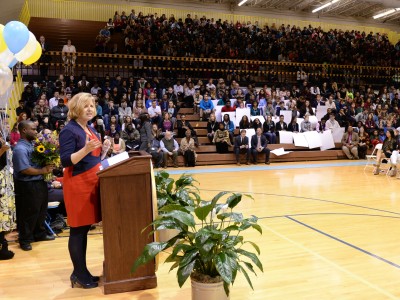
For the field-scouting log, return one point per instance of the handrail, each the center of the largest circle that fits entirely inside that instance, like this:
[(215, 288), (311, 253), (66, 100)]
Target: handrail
[(101, 64), (222, 60)]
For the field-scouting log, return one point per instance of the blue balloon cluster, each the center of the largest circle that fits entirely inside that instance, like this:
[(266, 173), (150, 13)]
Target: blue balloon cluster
[(16, 36)]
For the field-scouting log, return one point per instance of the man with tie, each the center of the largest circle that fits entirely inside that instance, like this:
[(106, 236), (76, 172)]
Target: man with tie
[(350, 141), (259, 145), (242, 146)]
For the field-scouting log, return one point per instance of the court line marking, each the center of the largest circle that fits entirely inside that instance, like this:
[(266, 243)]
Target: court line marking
[(328, 213), (265, 168), (344, 242), (309, 198), (319, 256)]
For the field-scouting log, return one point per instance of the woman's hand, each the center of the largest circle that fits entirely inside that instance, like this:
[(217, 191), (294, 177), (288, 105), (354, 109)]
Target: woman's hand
[(91, 144), (106, 145)]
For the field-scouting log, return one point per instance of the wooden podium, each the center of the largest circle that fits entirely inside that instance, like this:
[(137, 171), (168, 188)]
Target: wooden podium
[(126, 203)]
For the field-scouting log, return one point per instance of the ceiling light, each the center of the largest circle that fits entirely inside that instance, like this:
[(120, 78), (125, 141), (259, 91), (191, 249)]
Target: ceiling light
[(243, 2), (325, 5), (384, 14)]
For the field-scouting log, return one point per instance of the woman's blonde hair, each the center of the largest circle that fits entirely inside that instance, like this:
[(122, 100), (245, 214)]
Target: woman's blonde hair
[(78, 103)]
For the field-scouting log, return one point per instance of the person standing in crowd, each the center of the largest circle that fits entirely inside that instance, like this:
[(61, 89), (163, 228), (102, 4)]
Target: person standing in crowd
[(81, 151), (69, 57), (146, 137), (31, 195), (7, 202), (44, 58)]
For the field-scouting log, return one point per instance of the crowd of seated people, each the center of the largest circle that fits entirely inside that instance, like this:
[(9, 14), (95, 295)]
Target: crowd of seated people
[(137, 113), (206, 37)]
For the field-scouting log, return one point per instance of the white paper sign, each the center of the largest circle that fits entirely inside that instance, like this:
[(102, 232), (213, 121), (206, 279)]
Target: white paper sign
[(313, 138), (249, 133), (300, 140), (218, 112), (231, 116), (287, 114), (261, 118), (240, 112), (321, 111), (285, 137), (338, 134), (313, 120), (280, 152), (327, 140)]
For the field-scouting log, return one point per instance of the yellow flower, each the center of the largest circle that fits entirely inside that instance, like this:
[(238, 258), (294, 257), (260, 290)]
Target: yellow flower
[(40, 149)]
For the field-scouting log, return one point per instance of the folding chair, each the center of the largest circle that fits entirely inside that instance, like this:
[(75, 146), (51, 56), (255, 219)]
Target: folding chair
[(371, 159), (47, 221)]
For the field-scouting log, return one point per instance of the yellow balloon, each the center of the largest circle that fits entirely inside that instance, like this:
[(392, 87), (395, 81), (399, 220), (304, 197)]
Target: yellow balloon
[(3, 45), (35, 56)]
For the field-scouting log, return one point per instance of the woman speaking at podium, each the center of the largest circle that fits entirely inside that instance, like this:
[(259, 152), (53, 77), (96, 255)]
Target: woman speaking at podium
[(81, 151)]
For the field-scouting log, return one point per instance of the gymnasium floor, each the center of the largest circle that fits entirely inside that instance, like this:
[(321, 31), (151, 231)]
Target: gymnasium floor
[(330, 231)]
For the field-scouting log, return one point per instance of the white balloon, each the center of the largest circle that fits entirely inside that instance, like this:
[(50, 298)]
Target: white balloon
[(28, 50), (6, 57), (6, 78), (4, 99)]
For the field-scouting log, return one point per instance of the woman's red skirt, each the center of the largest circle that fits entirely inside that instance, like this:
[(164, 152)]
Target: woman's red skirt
[(82, 197)]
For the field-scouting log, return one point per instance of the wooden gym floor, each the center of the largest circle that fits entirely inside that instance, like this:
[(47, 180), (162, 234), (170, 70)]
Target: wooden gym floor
[(331, 231)]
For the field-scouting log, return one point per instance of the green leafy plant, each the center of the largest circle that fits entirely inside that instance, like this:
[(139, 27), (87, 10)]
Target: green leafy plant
[(210, 251), (182, 191)]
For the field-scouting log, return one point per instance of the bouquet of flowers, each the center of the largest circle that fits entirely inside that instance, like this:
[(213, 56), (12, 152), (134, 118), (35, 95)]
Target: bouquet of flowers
[(46, 152)]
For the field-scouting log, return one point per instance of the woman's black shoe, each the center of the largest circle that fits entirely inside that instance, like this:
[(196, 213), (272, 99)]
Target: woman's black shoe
[(95, 278), (4, 252), (85, 285)]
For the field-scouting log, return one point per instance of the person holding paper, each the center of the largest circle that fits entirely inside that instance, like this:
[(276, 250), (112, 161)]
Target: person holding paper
[(81, 151), (350, 142), (259, 145)]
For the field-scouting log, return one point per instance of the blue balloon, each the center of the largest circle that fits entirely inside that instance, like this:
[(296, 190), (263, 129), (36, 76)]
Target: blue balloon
[(16, 36), (13, 63)]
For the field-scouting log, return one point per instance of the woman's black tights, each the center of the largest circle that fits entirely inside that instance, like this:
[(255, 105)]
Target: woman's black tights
[(77, 246)]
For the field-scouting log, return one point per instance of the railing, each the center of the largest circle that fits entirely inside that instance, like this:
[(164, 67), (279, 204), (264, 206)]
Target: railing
[(100, 64)]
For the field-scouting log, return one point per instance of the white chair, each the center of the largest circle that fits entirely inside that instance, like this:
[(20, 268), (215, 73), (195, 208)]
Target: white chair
[(386, 165), (394, 160), (371, 159)]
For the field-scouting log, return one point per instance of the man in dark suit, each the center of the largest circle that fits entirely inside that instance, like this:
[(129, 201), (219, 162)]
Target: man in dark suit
[(259, 145), (242, 146), (45, 58)]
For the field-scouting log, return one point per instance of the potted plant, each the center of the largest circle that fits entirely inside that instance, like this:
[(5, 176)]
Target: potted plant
[(212, 251), (182, 191)]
